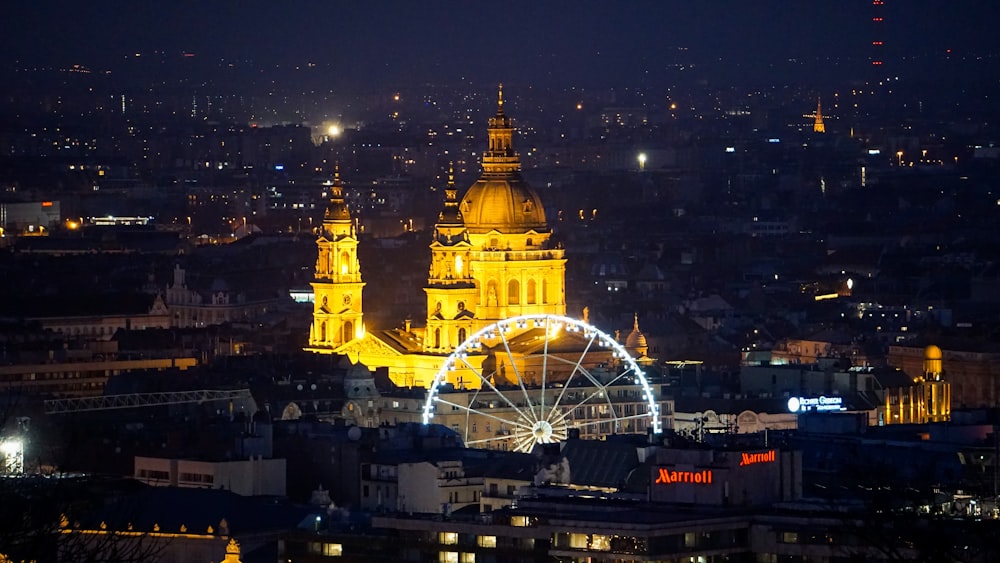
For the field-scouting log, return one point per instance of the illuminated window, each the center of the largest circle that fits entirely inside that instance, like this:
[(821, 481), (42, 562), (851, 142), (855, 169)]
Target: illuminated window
[(326, 549), (578, 541), (789, 537), (520, 521), (448, 538), (599, 542), (468, 558), (448, 557), (458, 264), (487, 541), (690, 539)]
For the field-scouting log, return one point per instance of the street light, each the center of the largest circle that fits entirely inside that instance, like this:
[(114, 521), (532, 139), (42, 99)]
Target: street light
[(642, 161)]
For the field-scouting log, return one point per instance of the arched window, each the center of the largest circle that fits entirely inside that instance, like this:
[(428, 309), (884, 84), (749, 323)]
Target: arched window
[(322, 331), (531, 292), (348, 331), (545, 291), (461, 335), (345, 263), (513, 292), (437, 337)]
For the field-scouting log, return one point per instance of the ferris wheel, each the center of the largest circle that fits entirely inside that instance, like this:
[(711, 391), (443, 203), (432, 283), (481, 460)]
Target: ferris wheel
[(530, 379)]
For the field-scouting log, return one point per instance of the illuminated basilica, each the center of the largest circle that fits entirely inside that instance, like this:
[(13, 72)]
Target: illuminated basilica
[(491, 259)]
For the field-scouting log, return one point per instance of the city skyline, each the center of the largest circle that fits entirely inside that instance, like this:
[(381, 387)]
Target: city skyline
[(549, 44)]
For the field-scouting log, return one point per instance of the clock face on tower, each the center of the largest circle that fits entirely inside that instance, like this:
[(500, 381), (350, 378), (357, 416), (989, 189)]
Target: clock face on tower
[(347, 299)]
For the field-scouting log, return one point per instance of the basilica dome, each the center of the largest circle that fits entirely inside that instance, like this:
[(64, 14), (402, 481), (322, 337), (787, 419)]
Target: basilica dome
[(506, 204), (501, 200)]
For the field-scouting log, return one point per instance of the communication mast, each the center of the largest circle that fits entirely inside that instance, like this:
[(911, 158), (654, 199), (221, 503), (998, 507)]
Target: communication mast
[(878, 32)]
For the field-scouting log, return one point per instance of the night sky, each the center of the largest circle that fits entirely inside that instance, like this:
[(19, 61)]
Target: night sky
[(559, 42)]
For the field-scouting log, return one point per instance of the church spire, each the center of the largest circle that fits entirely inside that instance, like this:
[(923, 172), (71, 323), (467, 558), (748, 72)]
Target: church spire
[(450, 215), (336, 209), (818, 126), (500, 158)]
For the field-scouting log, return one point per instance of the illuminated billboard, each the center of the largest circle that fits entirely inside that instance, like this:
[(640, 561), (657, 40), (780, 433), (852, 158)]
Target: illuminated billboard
[(820, 404)]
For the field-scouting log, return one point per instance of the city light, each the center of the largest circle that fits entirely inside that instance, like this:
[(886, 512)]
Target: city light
[(12, 450)]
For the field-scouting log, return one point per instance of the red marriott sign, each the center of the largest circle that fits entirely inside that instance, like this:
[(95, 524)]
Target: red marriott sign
[(667, 477), (747, 458)]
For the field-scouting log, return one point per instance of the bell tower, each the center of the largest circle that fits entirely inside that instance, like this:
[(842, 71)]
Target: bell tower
[(451, 290), (337, 282)]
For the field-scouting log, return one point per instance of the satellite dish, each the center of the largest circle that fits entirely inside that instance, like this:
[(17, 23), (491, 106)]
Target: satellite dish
[(354, 433)]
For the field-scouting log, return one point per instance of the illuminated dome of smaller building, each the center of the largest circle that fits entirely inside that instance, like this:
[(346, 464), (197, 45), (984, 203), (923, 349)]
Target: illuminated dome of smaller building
[(933, 352), (636, 340), (933, 362)]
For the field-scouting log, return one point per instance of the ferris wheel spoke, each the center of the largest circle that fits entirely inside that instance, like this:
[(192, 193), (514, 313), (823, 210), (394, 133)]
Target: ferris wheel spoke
[(600, 387), (517, 374), (486, 380), (576, 367), (516, 423), (601, 390), (491, 439), (545, 362), (615, 420), (525, 442), (468, 413)]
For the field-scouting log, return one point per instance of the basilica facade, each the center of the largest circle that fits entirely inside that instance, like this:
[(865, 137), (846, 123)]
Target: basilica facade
[(492, 258)]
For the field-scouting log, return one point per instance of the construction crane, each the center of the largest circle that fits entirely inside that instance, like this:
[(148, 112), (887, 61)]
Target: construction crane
[(134, 400)]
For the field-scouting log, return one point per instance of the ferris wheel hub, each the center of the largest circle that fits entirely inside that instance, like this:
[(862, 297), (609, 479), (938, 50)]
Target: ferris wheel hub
[(542, 431)]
